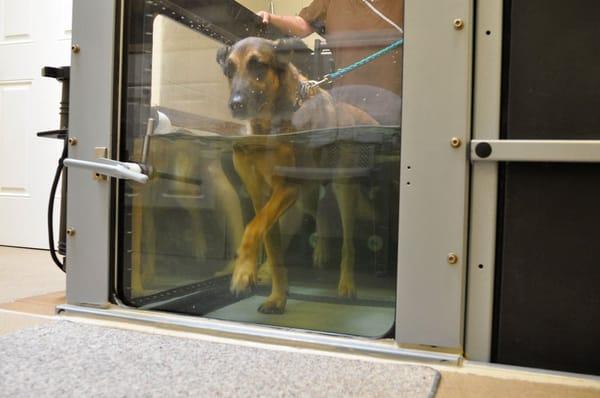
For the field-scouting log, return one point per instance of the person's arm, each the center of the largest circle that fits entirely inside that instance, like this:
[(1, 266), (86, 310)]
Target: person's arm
[(294, 25)]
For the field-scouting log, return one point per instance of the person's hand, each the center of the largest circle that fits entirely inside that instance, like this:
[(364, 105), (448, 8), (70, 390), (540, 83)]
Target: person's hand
[(266, 17)]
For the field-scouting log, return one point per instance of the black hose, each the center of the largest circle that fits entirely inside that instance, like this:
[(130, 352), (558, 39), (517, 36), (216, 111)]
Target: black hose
[(59, 170)]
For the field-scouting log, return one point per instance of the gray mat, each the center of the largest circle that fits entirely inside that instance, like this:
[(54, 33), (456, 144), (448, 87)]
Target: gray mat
[(69, 359)]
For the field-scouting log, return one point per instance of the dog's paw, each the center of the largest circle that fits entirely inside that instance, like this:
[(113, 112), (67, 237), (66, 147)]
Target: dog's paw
[(243, 278), (273, 306), (347, 288)]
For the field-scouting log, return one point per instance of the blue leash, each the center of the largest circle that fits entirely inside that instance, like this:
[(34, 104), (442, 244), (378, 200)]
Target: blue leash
[(345, 70)]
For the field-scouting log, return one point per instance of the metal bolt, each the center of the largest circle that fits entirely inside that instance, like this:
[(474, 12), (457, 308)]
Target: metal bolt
[(70, 231), (455, 142), (458, 24), (75, 48), (452, 258), (72, 141)]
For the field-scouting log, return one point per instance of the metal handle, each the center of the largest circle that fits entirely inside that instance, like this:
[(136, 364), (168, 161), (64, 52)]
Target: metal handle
[(535, 151), (109, 167)]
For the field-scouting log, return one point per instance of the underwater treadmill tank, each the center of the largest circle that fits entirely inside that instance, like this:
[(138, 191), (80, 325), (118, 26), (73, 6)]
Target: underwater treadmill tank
[(178, 235)]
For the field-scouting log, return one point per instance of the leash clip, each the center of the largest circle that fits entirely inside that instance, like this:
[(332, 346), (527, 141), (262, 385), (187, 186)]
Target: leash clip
[(306, 89), (317, 83)]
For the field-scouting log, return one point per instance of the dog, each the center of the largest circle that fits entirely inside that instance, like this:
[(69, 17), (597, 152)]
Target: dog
[(272, 96)]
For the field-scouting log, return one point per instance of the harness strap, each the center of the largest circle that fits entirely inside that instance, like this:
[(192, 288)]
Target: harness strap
[(306, 89)]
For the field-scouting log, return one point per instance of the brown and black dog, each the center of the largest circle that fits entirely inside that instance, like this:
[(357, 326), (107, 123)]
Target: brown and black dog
[(266, 90)]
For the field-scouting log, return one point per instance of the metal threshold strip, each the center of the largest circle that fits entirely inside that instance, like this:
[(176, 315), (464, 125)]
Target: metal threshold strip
[(265, 334), (577, 151)]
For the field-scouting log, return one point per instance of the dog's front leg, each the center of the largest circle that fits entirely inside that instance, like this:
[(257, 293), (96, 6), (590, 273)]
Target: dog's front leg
[(283, 197), (244, 270), (275, 303), (263, 227)]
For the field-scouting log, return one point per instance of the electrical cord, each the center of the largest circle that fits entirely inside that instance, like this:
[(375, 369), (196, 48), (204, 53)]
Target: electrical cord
[(59, 170)]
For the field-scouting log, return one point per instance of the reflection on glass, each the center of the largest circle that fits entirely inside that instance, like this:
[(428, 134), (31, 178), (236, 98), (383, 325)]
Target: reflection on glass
[(270, 201)]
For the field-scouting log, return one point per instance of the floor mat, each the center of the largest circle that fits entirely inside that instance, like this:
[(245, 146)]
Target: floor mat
[(68, 359)]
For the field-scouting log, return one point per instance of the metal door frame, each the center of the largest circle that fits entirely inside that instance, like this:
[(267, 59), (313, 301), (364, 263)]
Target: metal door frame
[(484, 181), (434, 182), (486, 150)]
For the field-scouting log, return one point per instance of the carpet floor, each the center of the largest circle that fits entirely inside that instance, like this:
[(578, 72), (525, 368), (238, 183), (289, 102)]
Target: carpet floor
[(69, 359)]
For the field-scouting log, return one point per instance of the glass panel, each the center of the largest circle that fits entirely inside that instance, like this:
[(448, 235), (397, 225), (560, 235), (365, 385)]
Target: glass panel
[(270, 201)]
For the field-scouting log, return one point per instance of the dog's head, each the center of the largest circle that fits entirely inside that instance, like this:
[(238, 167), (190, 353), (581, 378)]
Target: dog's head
[(256, 70)]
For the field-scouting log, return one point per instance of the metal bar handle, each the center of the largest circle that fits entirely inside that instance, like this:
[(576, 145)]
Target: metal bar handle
[(112, 168), (577, 151)]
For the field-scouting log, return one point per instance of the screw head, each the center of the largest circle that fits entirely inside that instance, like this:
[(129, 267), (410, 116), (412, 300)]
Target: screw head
[(72, 141), (458, 24), (75, 48), (70, 231), (455, 142), (452, 258)]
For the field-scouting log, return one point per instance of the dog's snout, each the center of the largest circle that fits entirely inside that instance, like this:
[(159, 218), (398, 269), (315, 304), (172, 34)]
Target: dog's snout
[(236, 103)]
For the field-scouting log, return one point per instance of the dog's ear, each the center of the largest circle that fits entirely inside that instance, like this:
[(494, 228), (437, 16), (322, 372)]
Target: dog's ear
[(222, 54), (285, 48)]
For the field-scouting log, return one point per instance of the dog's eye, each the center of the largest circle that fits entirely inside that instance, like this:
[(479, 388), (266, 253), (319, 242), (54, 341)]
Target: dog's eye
[(257, 68), (229, 69)]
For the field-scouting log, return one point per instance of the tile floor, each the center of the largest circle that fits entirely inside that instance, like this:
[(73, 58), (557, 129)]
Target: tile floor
[(27, 272), (30, 287)]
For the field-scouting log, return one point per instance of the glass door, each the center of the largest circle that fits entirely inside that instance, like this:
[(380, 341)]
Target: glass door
[(270, 201)]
